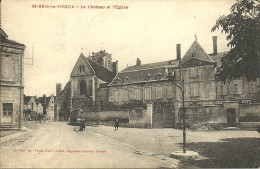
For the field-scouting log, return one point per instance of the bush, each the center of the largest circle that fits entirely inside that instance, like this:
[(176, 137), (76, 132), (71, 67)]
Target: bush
[(200, 127)]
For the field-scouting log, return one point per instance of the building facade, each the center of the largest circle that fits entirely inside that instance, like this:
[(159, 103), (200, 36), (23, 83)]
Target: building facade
[(206, 100), (11, 81), (86, 77)]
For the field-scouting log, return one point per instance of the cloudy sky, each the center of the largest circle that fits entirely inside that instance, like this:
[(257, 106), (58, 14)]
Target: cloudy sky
[(148, 29)]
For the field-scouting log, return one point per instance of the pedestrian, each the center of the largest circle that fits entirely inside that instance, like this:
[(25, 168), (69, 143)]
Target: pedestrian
[(82, 125), (116, 124)]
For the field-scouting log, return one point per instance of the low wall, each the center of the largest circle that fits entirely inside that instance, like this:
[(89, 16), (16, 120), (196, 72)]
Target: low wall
[(249, 125), (122, 116), (205, 114), (141, 118), (249, 112)]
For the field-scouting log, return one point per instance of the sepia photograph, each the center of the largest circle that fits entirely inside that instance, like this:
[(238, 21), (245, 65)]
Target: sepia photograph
[(130, 84)]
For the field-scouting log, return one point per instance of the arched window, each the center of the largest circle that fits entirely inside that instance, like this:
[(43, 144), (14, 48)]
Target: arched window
[(82, 88), (81, 68)]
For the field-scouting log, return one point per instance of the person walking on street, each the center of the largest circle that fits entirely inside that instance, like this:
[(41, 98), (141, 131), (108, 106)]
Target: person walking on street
[(82, 125), (116, 124)]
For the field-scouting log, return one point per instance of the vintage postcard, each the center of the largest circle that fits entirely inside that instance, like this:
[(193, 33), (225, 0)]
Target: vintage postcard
[(129, 84)]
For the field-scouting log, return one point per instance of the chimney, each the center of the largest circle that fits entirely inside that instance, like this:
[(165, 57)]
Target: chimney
[(115, 67), (44, 98), (178, 51), (138, 62), (58, 89), (215, 46)]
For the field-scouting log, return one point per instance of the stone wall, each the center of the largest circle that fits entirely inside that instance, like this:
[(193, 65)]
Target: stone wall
[(122, 116), (141, 117), (249, 112)]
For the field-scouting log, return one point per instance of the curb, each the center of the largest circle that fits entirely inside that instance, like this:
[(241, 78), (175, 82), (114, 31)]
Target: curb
[(12, 136)]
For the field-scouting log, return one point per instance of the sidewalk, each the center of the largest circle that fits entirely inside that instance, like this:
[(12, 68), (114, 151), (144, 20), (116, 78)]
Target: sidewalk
[(18, 133)]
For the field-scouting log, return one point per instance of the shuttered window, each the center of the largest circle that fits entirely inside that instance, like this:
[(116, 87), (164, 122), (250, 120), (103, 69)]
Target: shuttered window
[(158, 92), (169, 92), (194, 72), (147, 93), (194, 90), (116, 96), (138, 94), (252, 87), (221, 89), (125, 95)]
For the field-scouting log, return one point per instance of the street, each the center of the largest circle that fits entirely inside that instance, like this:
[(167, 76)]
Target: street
[(56, 145)]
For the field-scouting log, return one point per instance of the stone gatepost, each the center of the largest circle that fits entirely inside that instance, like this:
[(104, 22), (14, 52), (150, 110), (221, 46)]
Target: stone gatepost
[(149, 114)]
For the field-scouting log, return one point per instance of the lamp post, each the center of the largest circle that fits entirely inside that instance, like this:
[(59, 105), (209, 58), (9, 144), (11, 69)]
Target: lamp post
[(171, 78)]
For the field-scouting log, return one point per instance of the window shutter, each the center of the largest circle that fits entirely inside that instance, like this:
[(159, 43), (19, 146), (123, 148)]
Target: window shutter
[(195, 72), (240, 86), (197, 89), (231, 88), (225, 89), (192, 89), (218, 89)]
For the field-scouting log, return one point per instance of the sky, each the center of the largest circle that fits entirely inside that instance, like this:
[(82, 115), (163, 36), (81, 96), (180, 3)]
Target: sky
[(147, 29)]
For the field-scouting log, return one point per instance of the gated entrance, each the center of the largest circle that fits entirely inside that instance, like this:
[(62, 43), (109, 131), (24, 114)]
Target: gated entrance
[(163, 115), (231, 117)]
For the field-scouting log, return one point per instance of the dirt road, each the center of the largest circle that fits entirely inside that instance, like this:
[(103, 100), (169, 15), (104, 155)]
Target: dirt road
[(56, 145)]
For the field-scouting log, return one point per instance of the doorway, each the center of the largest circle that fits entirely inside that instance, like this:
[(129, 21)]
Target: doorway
[(231, 117)]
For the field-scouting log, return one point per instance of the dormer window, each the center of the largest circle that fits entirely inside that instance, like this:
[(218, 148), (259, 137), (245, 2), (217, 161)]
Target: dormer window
[(117, 80), (125, 80), (148, 77), (158, 76)]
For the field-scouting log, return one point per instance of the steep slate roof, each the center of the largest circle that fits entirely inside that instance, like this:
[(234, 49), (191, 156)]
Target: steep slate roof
[(41, 100), (139, 73), (217, 57), (4, 39), (100, 71), (198, 52), (26, 99)]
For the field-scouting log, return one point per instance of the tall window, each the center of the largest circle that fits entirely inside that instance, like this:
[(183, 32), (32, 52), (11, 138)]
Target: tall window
[(125, 95), (252, 87), (235, 87), (147, 93), (221, 89), (83, 87), (81, 68), (169, 92), (7, 109), (158, 92), (116, 96), (194, 89), (194, 72), (138, 94)]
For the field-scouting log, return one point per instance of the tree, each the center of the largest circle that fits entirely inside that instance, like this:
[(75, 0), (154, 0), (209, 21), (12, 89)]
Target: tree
[(242, 27)]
